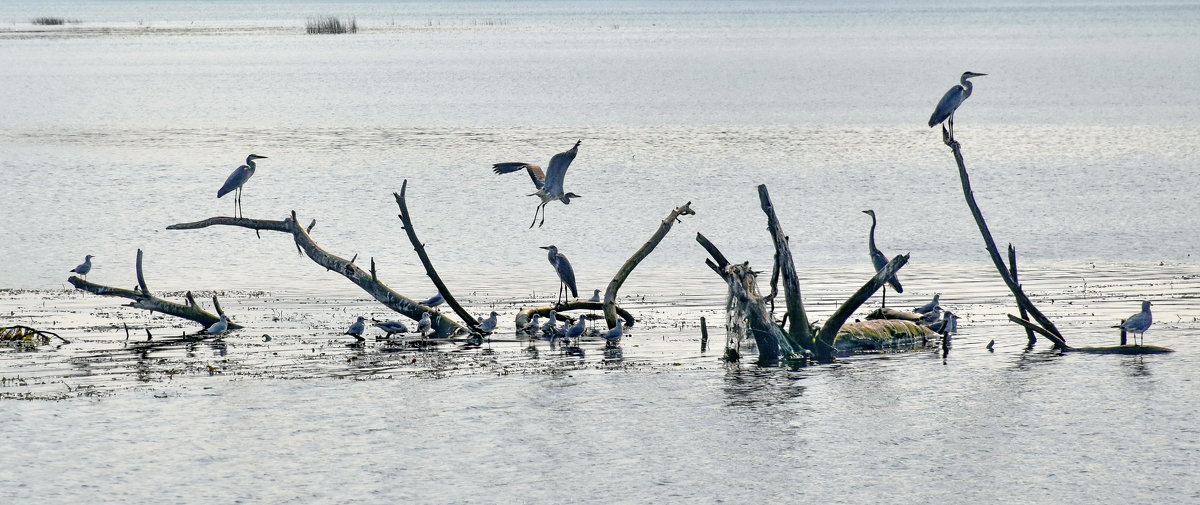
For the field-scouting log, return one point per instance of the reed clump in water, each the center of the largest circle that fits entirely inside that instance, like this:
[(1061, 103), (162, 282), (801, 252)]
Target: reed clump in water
[(331, 24), (52, 21)]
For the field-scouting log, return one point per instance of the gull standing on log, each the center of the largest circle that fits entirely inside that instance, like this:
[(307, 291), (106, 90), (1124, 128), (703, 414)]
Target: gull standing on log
[(929, 307), (1140, 322), (566, 274), (951, 100), (84, 267), (880, 261), (218, 327), (235, 181), (424, 324), (549, 185)]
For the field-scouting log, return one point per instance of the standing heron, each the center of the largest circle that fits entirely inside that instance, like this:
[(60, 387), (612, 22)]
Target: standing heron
[(489, 325), (218, 327), (566, 274), (356, 330), (1138, 323), (84, 267), (235, 181), (880, 261), (951, 100), (550, 185)]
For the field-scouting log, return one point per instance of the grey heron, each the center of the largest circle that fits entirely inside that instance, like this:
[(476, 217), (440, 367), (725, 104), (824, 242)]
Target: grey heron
[(236, 180), (84, 267), (391, 327), (489, 325), (566, 274), (879, 260), (614, 335), (1140, 322), (219, 327), (595, 296), (951, 100), (929, 307), (434, 301), (424, 324), (549, 185), (356, 330)]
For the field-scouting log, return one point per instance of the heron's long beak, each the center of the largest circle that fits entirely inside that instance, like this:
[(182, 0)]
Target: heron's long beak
[(546, 246)]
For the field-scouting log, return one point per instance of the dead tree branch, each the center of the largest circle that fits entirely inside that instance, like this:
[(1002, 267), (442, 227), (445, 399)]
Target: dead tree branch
[(406, 219), (363, 279), (839, 317), (610, 293), (799, 332), (143, 299)]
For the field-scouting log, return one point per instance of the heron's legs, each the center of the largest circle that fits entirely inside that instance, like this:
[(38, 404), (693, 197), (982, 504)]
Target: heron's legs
[(540, 208), (951, 121), (884, 302)]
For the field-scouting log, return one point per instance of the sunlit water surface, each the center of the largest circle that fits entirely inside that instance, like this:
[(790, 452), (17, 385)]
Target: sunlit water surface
[(1081, 141)]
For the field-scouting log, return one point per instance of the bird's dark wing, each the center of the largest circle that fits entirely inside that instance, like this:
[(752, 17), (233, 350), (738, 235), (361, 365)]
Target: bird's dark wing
[(880, 261), (558, 169), (949, 103), (239, 176), (566, 274), (535, 172)]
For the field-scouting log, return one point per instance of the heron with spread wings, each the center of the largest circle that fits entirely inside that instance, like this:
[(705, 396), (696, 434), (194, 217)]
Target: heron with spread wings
[(549, 184)]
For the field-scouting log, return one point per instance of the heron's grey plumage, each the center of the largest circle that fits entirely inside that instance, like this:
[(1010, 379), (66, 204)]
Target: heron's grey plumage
[(877, 257), (237, 179), (85, 267), (358, 327), (929, 307), (952, 100), (1140, 322), (219, 327), (562, 267), (550, 185)]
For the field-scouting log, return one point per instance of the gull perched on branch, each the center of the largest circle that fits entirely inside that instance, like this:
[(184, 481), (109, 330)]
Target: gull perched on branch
[(218, 327), (84, 267), (236, 180), (1140, 322), (549, 185)]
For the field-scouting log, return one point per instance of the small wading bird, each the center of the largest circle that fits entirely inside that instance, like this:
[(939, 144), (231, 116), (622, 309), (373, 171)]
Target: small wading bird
[(218, 327), (489, 325), (951, 100), (1138, 323), (356, 330), (235, 181), (880, 261), (391, 327), (929, 307), (549, 185), (84, 267), (566, 274)]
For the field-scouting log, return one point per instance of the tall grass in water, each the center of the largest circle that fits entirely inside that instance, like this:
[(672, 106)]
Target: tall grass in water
[(331, 24), (46, 20)]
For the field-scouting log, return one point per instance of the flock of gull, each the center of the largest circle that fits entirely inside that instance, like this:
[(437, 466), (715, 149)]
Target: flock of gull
[(549, 187)]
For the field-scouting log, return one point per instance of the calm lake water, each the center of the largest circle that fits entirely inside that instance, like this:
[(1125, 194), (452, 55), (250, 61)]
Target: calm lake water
[(1082, 142)]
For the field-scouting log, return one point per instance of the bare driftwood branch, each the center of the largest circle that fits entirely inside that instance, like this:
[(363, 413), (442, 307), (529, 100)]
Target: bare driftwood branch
[(1022, 299), (560, 309), (406, 219), (363, 279), (1058, 342), (610, 294), (143, 299), (771, 342), (799, 333), (830, 329), (1012, 269)]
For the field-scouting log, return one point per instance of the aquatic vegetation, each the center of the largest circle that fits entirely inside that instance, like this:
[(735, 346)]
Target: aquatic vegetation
[(48, 21), (330, 24), (24, 336)]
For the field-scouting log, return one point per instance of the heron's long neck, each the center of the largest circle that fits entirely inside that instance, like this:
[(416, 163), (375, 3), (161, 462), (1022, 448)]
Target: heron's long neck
[(967, 87), (871, 241), (552, 255), (250, 163)]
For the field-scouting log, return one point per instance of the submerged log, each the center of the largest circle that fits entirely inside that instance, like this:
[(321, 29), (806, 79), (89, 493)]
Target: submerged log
[(881, 335), (890, 313), (828, 334), (429, 270), (143, 299), (443, 326), (610, 293)]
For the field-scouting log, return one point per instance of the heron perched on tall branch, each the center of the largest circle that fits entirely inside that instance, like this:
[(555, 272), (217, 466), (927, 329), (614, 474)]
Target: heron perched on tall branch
[(550, 184), (566, 274), (236, 180), (951, 100), (879, 260)]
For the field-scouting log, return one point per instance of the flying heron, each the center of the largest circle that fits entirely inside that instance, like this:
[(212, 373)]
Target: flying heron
[(218, 327), (356, 330), (84, 267), (235, 181), (566, 274), (1140, 322), (951, 100), (549, 186), (880, 261), (929, 307)]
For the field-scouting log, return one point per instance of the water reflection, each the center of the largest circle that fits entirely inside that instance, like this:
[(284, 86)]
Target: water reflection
[(753, 387)]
